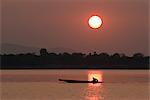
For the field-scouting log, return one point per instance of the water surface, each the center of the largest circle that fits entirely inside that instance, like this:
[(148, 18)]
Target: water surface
[(44, 85)]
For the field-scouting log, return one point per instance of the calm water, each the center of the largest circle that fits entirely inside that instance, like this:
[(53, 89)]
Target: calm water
[(44, 85)]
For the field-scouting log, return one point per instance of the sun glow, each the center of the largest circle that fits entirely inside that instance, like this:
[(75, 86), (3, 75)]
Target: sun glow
[(95, 22), (97, 75)]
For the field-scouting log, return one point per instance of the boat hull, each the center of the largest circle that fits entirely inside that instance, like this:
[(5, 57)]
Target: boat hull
[(78, 81)]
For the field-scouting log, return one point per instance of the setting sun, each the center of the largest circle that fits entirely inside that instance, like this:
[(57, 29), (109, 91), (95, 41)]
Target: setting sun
[(95, 22)]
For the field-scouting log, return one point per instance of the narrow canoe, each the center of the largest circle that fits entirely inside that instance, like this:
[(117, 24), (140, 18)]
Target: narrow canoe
[(78, 81)]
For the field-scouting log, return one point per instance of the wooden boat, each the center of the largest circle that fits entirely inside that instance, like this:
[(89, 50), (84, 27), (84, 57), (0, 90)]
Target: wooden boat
[(79, 81)]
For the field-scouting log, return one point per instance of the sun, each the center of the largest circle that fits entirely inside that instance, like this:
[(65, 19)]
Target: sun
[(95, 22)]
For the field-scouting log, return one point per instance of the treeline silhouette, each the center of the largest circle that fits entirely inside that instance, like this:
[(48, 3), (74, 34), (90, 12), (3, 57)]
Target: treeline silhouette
[(73, 61)]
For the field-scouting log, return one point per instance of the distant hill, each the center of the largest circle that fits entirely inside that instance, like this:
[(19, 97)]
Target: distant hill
[(8, 48), (15, 48), (61, 50)]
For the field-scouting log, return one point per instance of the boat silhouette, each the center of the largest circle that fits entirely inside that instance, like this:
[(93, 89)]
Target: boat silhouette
[(79, 81)]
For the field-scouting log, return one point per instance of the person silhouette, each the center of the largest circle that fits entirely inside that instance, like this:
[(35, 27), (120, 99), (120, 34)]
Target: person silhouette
[(95, 80)]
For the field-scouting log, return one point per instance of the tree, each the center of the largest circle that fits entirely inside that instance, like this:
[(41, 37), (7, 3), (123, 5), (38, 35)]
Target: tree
[(138, 55), (43, 52)]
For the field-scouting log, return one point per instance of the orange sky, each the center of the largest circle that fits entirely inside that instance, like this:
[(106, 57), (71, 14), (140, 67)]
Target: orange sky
[(63, 23)]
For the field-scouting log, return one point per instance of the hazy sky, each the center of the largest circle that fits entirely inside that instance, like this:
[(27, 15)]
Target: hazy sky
[(63, 23)]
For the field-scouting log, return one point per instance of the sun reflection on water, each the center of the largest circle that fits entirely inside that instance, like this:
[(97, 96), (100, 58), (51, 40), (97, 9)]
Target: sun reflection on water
[(94, 91), (97, 75)]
